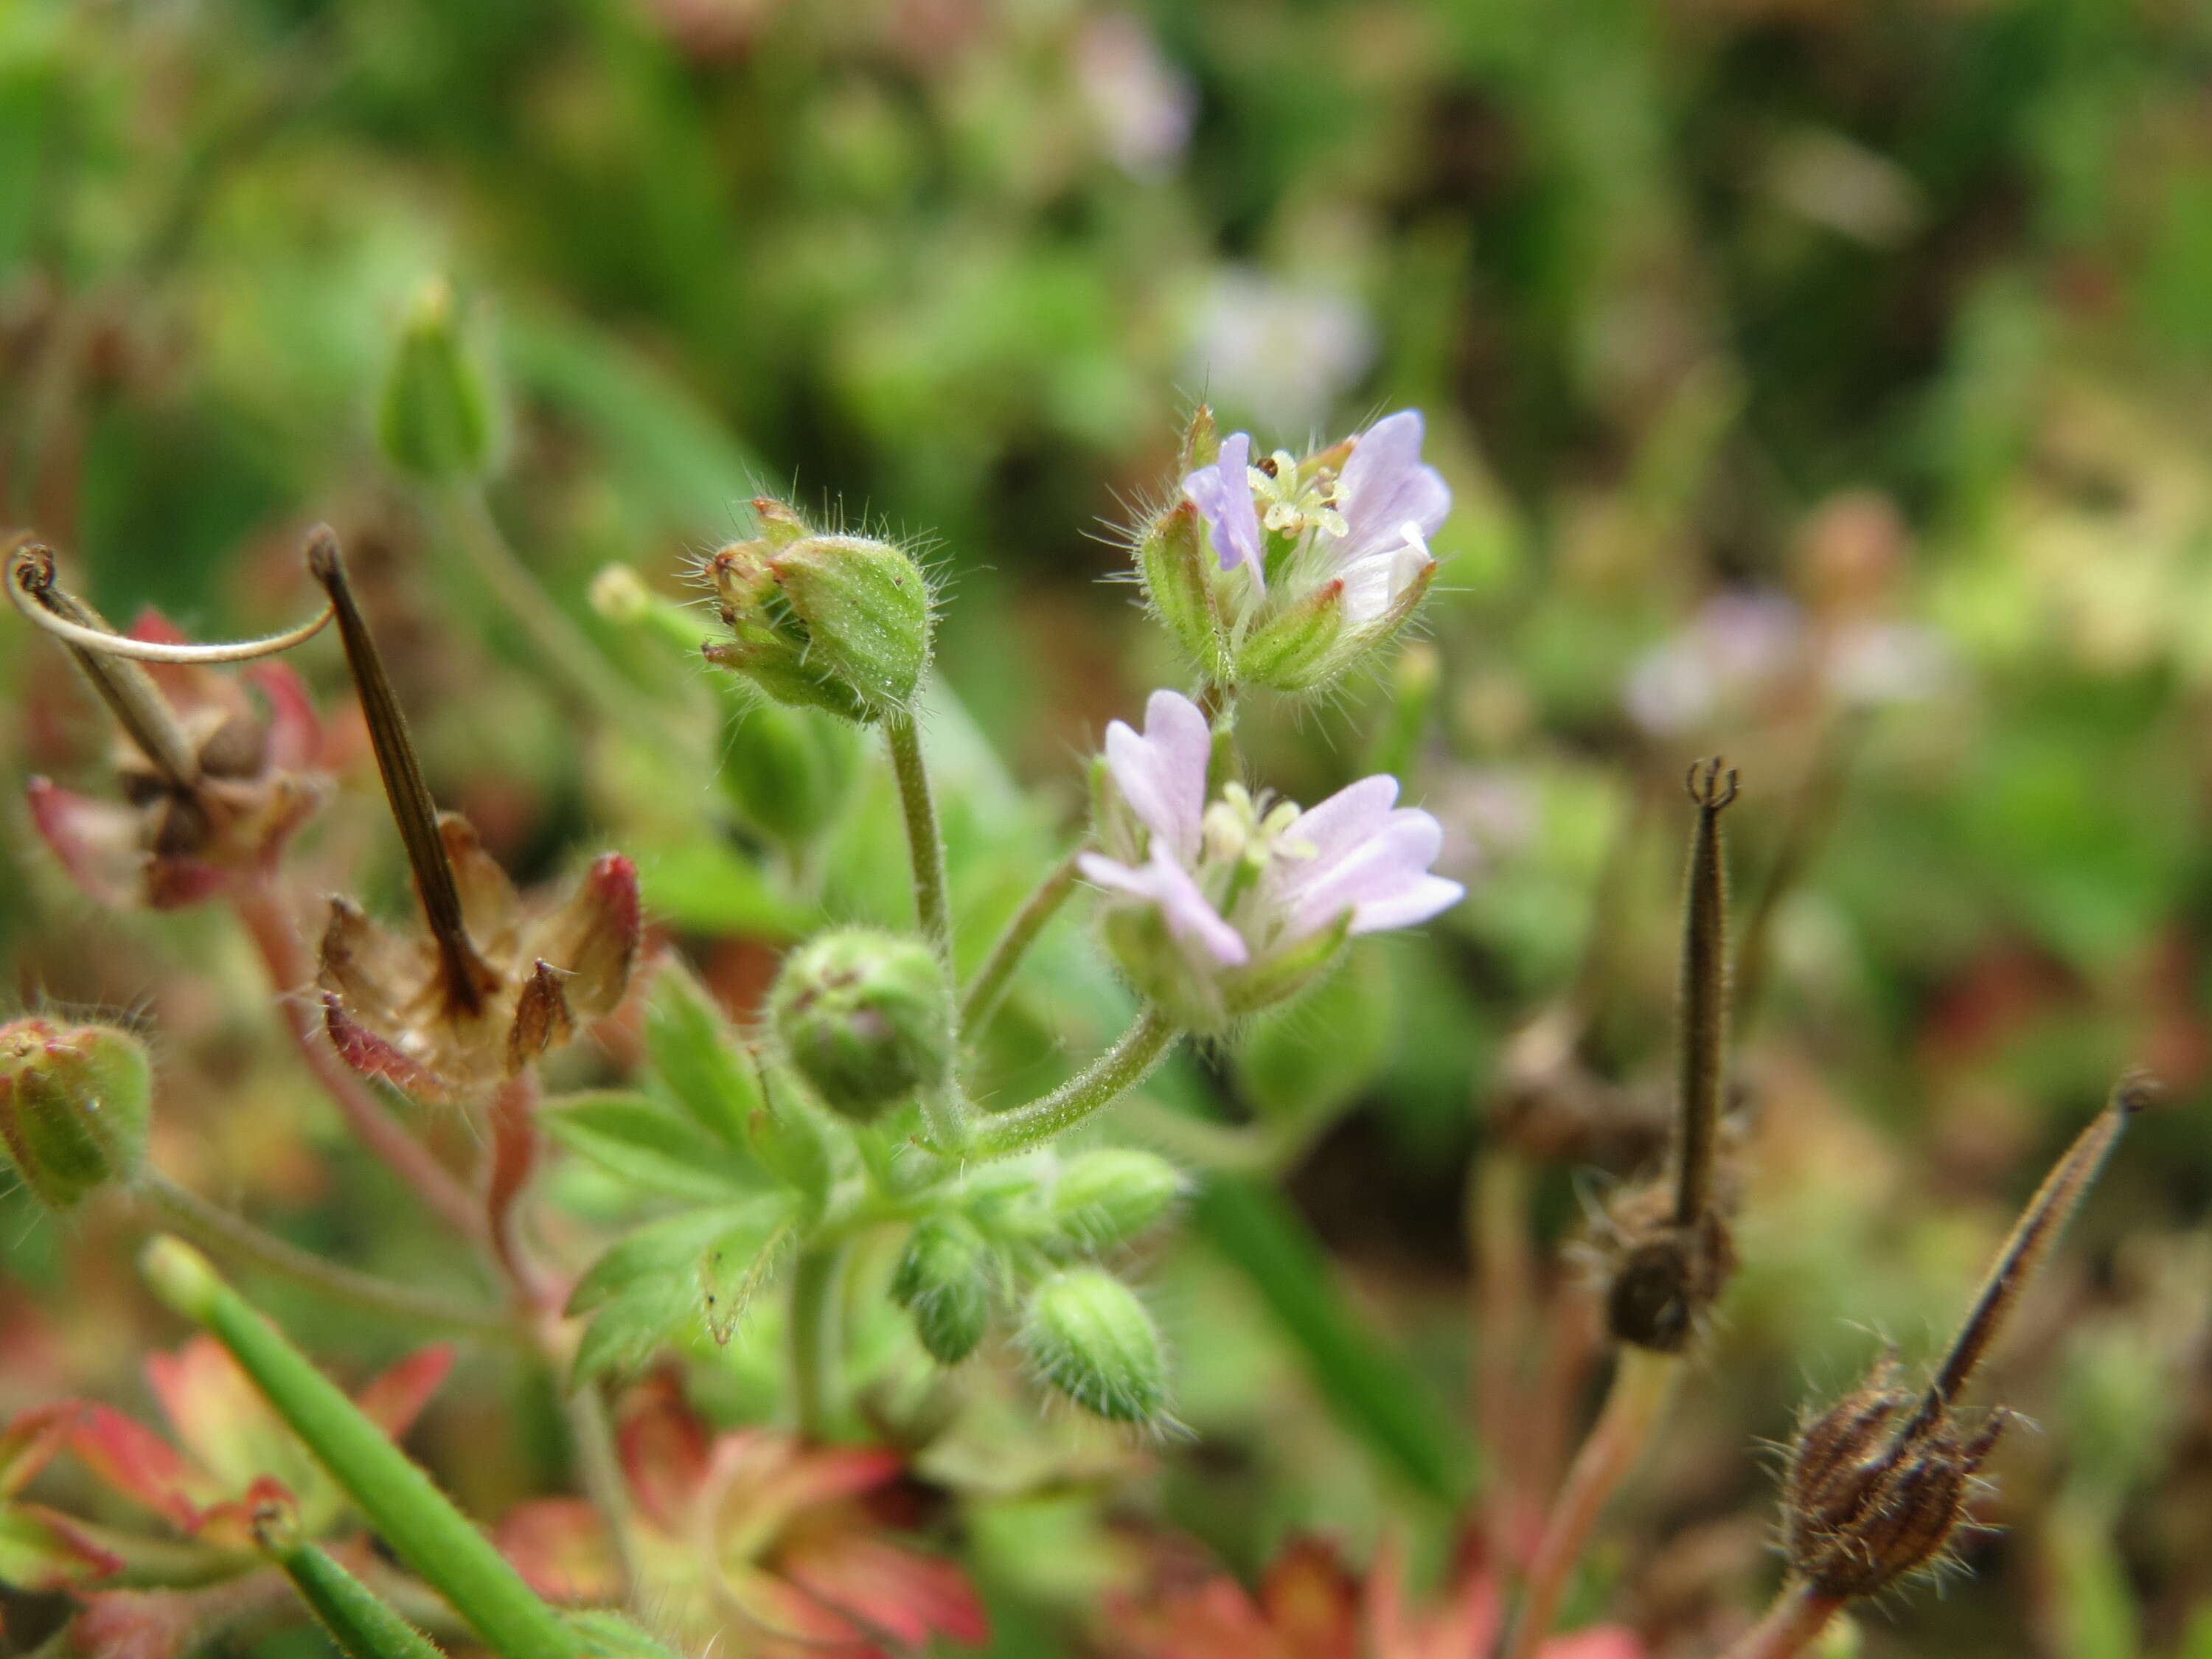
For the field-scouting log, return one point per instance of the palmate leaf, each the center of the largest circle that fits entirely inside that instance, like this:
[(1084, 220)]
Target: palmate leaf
[(699, 1063), (644, 1141), (670, 1279)]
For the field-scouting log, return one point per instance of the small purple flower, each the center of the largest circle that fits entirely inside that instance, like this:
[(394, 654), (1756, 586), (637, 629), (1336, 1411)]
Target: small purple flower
[(1144, 106), (1222, 495), (1241, 880), (1391, 503)]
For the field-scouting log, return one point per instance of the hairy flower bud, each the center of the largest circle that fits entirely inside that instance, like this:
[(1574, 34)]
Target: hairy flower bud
[(1171, 559), (436, 419), (865, 1017), (944, 1280), (1104, 1197), (1090, 1338), (75, 1105), (841, 622)]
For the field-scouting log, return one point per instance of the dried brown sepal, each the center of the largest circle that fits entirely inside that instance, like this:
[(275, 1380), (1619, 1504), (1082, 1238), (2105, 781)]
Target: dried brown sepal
[(1864, 1504), (1663, 1278)]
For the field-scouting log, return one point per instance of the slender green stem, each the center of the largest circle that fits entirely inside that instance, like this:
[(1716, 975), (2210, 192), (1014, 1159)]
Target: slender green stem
[(1796, 1621), (818, 1337), (362, 1626), (1643, 1384), (599, 1469), (989, 988), (932, 890), (1098, 1086), (401, 1502), (229, 1234)]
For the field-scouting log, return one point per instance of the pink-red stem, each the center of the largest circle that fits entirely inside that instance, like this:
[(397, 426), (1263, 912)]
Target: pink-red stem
[(514, 1147), (1798, 1616)]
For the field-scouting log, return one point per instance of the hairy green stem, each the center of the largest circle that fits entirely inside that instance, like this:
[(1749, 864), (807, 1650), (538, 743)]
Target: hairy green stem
[(818, 1337), (933, 901), (421, 1525), (229, 1234), (362, 1626), (989, 988), (1098, 1086)]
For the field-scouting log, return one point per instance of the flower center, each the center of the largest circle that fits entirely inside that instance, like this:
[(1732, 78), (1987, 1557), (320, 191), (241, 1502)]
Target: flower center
[(1243, 834), (1290, 500)]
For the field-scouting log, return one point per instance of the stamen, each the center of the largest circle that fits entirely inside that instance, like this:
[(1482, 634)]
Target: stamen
[(467, 976)]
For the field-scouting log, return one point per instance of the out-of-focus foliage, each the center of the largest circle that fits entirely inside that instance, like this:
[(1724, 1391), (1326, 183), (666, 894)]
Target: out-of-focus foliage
[(1823, 384)]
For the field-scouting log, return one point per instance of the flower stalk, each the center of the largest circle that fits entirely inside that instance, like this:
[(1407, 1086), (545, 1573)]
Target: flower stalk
[(989, 988), (1098, 1086), (436, 1539), (932, 901)]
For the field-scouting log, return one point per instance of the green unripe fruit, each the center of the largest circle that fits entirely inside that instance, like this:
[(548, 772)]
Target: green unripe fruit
[(436, 417), (866, 1017), (76, 1103), (944, 1279), (1105, 1197), (1091, 1339)]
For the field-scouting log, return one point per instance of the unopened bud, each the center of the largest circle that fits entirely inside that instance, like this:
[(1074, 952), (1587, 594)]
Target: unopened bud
[(75, 1105), (436, 419), (1104, 1197), (841, 622), (865, 1018), (944, 1280), (1090, 1338), (788, 771), (1172, 559)]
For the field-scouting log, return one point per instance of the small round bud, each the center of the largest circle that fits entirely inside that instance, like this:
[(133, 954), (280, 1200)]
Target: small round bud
[(1104, 1197), (436, 417), (1091, 1338), (944, 1280), (788, 771), (865, 1018), (841, 622), (76, 1103)]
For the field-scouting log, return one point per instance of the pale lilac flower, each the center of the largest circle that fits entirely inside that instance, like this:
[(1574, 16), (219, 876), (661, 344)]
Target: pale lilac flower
[(1222, 495), (1240, 879), (1391, 503), (1737, 646), (1143, 106), (1869, 664)]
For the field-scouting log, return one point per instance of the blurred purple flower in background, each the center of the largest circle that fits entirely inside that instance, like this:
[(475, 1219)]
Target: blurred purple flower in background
[(1291, 349), (1143, 106)]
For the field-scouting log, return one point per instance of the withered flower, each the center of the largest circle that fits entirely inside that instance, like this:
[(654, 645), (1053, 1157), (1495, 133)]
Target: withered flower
[(1878, 1484), (492, 979), (1672, 1250), (212, 787)]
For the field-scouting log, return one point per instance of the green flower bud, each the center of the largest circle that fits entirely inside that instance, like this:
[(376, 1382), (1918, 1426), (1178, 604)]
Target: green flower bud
[(75, 1105), (1172, 559), (1104, 1197), (788, 771), (436, 418), (841, 622), (1291, 651), (865, 1017), (944, 1279), (1091, 1339)]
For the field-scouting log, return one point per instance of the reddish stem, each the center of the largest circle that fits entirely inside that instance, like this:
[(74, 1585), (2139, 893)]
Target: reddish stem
[(514, 1146), (372, 1124), (1799, 1615)]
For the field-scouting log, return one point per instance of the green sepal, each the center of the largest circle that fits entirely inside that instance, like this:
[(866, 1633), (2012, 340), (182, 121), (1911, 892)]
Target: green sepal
[(1172, 559), (1292, 649), (1285, 971)]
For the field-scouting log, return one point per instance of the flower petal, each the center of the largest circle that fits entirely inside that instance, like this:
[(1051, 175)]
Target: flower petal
[(1162, 773), (1385, 488), (1170, 886), (1223, 493)]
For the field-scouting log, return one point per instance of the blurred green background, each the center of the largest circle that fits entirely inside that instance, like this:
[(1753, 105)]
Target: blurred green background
[(1818, 379)]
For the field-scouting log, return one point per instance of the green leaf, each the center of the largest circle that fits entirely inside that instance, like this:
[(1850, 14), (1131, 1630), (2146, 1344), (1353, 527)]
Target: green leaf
[(1372, 1392), (702, 1062), (636, 1138), (703, 886), (636, 1325), (1314, 1055), (659, 1250), (736, 1267)]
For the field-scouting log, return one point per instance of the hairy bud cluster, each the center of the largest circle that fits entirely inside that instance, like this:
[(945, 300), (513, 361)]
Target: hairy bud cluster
[(833, 621)]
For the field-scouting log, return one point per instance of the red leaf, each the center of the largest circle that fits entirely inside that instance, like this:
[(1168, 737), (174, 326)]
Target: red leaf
[(395, 1397), (137, 1462)]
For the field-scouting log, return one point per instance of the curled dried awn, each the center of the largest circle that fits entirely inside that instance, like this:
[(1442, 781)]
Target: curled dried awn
[(32, 588)]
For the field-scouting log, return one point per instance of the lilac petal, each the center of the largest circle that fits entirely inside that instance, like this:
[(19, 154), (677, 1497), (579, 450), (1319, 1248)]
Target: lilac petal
[(1347, 817), (1223, 494), (1373, 581), (1430, 896), (1170, 886), (1382, 868), (1162, 773), (1384, 488)]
